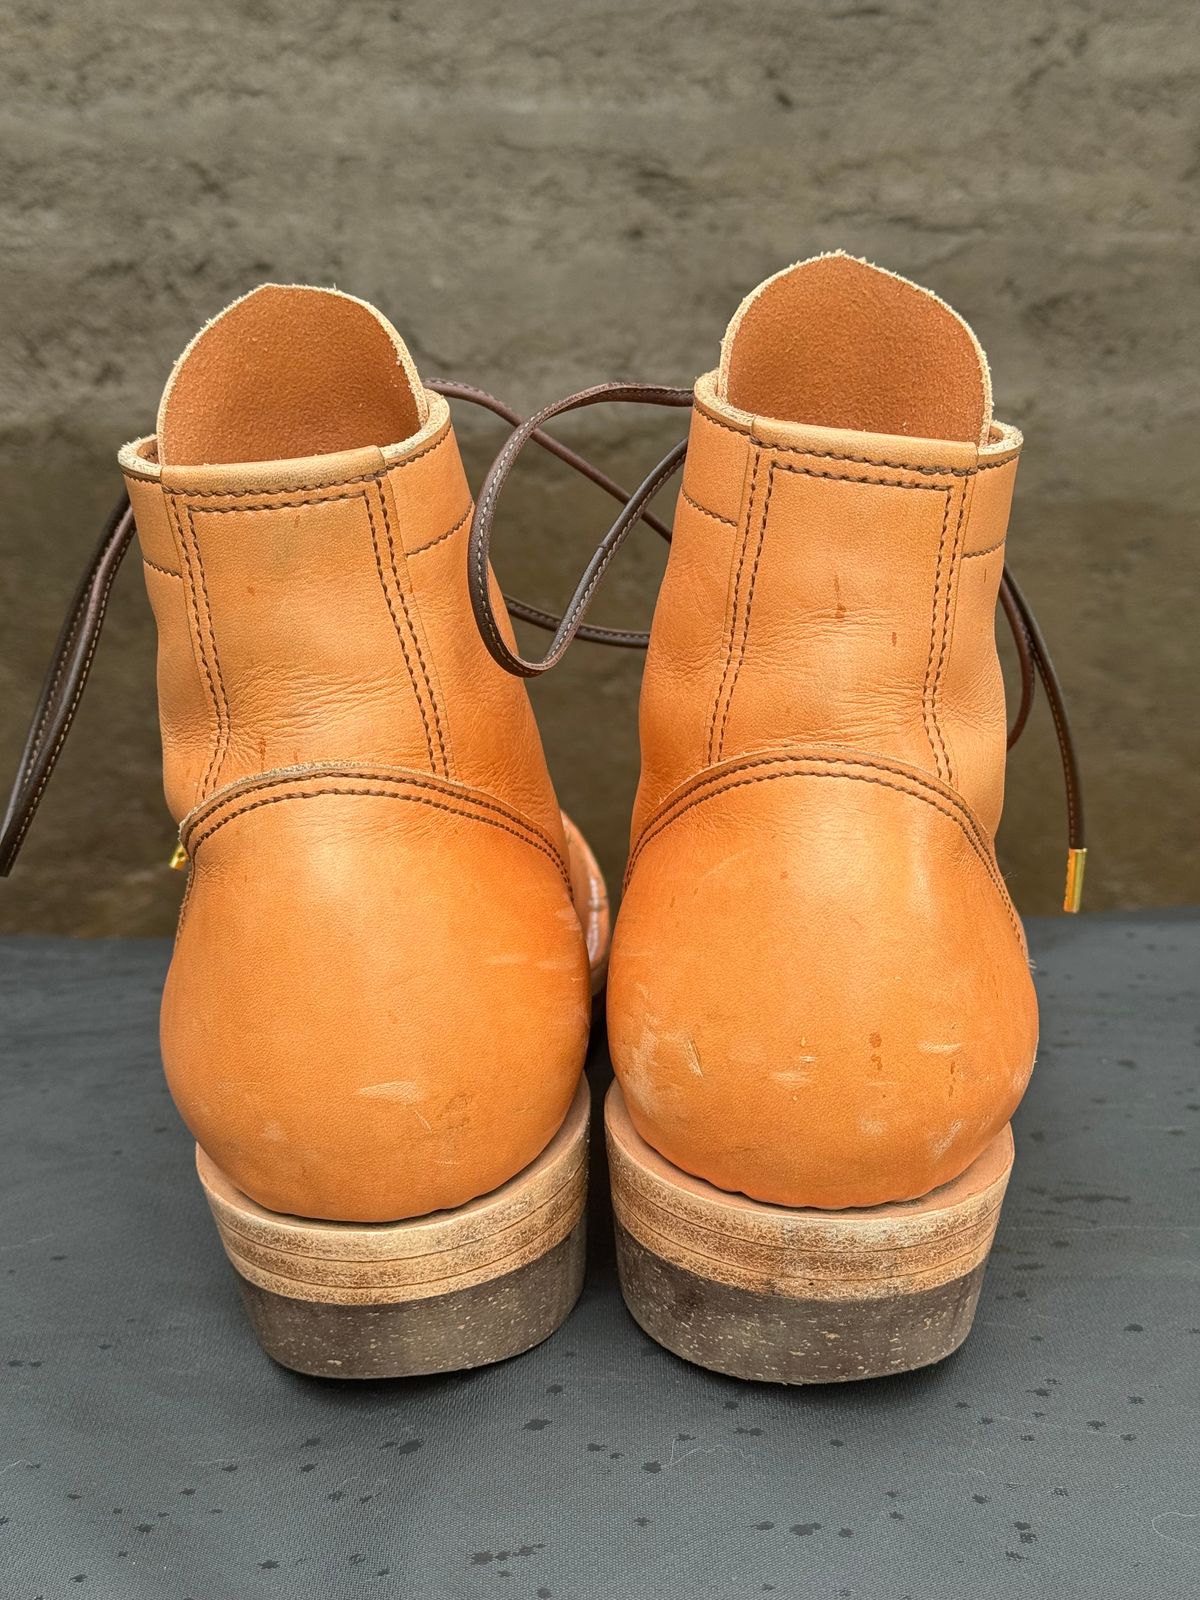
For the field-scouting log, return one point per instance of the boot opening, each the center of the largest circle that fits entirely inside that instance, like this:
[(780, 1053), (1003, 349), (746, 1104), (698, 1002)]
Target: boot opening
[(288, 372), (837, 343)]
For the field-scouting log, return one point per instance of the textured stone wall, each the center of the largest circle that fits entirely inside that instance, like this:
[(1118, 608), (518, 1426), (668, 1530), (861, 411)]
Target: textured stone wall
[(545, 194)]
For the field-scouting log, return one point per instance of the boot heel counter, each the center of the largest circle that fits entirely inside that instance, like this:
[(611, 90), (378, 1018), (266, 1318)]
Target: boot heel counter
[(378, 1002), (858, 1036)]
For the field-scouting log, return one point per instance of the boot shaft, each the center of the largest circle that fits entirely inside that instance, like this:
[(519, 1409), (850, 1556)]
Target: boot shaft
[(830, 585), (313, 608)]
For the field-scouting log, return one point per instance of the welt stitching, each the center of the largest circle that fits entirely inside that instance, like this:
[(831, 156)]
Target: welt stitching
[(932, 732), (367, 774), (387, 595), (442, 537), (705, 512), (201, 644), (223, 724), (914, 793), (433, 698), (737, 590), (167, 572), (947, 622), (758, 550), (383, 794)]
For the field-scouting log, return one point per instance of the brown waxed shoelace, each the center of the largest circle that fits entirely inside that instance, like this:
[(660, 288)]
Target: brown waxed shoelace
[(76, 646)]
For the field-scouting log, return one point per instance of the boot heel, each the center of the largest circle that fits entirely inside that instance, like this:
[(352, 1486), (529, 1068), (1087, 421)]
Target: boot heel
[(441, 1293), (805, 1296)]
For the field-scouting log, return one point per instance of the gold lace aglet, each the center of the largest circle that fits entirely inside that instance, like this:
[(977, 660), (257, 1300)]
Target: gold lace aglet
[(1076, 862), (179, 859)]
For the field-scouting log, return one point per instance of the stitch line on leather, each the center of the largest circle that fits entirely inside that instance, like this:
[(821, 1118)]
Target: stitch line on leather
[(949, 612), (866, 461), (932, 731), (872, 461), (726, 427), (382, 794), (443, 437), (199, 642), (712, 780), (66, 727), (216, 803), (429, 689), (735, 606), (897, 466), (387, 595), (849, 477), (283, 505), (167, 572), (704, 511), (223, 720), (294, 488), (969, 555), (442, 537), (914, 792), (758, 550)]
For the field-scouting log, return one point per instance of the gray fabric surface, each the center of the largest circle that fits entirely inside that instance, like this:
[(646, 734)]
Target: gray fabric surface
[(148, 1448)]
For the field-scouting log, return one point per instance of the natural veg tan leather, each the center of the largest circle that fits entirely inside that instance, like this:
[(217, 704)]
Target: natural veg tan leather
[(378, 1003), (819, 992)]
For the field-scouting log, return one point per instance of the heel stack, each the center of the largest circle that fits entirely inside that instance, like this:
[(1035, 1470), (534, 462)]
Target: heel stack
[(799, 1296), (441, 1293)]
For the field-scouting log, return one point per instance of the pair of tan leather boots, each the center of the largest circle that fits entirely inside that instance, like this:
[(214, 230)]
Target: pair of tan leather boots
[(819, 1000)]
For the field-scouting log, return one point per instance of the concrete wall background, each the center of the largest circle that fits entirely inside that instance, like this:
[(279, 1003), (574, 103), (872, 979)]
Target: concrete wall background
[(542, 195)]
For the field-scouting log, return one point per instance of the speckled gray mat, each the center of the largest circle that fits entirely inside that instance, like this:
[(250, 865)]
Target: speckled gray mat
[(148, 1448)]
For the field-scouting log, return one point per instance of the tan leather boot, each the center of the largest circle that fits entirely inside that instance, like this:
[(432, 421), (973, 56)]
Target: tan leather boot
[(379, 1000), (820, 1007)]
